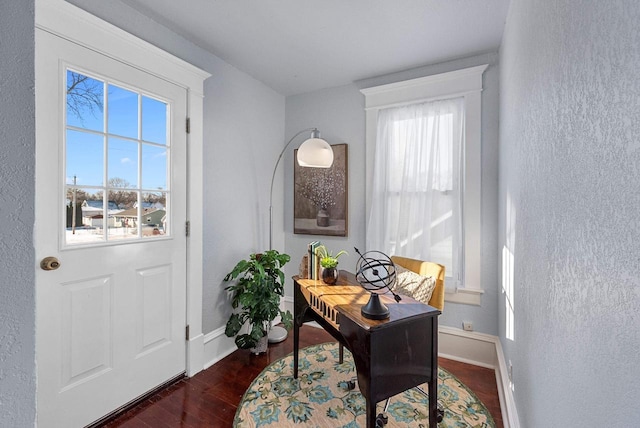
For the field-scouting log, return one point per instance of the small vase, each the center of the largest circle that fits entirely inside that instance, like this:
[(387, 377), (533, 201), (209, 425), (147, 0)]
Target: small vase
[(261, 346), (330, 275), (322, 219)]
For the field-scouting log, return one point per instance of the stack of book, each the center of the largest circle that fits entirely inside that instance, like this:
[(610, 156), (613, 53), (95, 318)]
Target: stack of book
[(313, 261)]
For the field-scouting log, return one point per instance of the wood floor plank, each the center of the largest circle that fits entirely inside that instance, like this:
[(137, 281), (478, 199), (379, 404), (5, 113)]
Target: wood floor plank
[(211, 397), (481, 380)]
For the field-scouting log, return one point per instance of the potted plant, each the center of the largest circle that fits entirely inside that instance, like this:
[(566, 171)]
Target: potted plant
[(256, 292), (329, 264)]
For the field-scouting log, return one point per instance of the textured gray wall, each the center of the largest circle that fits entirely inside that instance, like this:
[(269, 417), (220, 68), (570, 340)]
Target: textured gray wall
[(17, 161), (339, 114), (244, 134), (570, 209)]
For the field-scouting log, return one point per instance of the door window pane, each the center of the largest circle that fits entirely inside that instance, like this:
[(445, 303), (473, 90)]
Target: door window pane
[(126, 222), (123, 112), (154, 167), (84, 216), (154, 214), (85, 102), (84, 158), (154, 121), (123, 162)]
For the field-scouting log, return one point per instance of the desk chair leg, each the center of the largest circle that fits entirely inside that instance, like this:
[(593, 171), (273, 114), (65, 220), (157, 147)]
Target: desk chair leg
[(350, 384), (439, 410), (382, 419)]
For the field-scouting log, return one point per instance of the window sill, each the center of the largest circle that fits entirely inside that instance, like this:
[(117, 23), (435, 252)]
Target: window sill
[(467, 296)]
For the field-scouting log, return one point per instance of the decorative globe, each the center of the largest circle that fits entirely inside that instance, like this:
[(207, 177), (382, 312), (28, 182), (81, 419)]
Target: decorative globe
[(376, 273)]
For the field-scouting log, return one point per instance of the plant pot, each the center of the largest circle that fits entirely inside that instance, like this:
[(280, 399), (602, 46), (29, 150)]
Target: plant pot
[(261, 346), (329, 275)]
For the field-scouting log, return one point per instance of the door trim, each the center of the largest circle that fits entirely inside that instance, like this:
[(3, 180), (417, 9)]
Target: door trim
[(78, 26)]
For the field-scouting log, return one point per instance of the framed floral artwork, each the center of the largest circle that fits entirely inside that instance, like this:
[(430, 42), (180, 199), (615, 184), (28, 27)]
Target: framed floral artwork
[(320, 196)]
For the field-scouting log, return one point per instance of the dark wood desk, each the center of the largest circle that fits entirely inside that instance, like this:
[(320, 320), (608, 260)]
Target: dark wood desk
[(390, 355)]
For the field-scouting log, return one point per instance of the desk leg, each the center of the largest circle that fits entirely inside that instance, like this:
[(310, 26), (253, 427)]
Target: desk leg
[(433, 403), (296, 346), (433, 384), (371, 413)]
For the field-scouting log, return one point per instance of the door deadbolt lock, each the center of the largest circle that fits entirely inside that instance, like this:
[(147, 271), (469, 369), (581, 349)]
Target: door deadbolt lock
[(49, 263)]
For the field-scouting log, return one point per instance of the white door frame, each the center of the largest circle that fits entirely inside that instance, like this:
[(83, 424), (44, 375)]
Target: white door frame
[(69, 22)]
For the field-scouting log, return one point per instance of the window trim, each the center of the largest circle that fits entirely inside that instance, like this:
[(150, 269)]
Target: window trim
[(465, 83)]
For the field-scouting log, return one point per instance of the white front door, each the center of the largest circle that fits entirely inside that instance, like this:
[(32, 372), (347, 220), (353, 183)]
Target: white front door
[(111, 209)]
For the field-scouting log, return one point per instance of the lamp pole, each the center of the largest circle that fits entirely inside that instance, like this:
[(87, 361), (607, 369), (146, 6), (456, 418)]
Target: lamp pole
[(314, 134), (277, 333)]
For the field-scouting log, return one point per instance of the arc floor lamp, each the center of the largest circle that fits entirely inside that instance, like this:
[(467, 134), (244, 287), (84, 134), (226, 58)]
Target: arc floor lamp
[(312, 153)]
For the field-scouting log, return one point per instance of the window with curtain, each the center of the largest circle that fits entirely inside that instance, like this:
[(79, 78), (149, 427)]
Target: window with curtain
[(416, 208)]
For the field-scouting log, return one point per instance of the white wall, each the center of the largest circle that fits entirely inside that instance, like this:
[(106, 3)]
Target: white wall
[(339, 114), (17, 163), (570, 210)]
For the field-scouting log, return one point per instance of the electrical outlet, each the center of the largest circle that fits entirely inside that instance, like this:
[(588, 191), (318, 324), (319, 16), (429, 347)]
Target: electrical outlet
[(510, 369), (467, 325)]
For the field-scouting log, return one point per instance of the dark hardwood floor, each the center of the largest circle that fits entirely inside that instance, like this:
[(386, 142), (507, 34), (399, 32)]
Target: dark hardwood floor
[(210, 398)]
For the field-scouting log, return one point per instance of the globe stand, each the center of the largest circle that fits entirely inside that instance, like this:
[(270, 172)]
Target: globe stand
[(375, 309)]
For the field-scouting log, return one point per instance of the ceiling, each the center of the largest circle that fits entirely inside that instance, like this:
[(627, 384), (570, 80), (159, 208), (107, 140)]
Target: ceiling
[(297, 46)]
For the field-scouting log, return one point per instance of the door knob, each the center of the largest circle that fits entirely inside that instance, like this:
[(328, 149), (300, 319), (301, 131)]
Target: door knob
[(49, 263)]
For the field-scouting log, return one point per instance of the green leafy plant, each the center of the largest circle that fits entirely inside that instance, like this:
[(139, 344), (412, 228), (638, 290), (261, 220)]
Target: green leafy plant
[(256, 292), (328, 260)]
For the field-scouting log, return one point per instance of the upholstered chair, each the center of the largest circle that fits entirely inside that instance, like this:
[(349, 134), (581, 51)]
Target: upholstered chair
[(426, 269)]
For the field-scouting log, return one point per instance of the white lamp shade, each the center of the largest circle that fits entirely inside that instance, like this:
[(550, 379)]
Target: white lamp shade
[(315, 153)]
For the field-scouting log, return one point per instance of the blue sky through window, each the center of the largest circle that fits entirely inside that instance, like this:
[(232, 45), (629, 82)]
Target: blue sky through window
[(123, 160), (123, 112)]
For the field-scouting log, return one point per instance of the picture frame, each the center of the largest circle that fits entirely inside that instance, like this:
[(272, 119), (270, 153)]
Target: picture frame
[(320, 196)]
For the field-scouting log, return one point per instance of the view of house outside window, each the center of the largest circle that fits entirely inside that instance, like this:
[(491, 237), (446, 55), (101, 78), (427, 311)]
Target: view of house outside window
[(116, 163)]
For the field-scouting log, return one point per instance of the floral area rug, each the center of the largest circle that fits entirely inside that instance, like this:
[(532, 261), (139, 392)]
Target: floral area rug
[(320, 398)]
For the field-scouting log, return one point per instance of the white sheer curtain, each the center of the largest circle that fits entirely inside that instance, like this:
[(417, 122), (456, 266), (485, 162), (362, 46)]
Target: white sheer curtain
[(416, 198)]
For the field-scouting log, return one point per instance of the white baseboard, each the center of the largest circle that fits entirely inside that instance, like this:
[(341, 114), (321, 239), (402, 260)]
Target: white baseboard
[(508, 404), (217, 346), (482, 350), (467, 346)]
